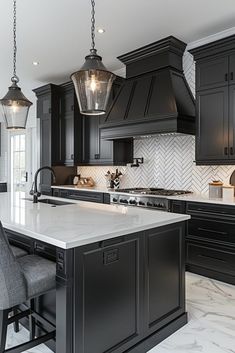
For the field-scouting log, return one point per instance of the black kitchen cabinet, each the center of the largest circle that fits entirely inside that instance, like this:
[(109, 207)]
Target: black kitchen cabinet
[(232, 121), (81, 195), (215, 74), (51, 144), (139, 287), (72, 125), (212, 130), (212, 73), (98, 151), (166, 265), (210, 239)]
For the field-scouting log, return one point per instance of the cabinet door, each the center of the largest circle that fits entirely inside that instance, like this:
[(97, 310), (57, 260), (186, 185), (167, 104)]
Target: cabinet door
[(92, 145), (232, 69), (165, 275), (231, 122), (212, 73), (212, 125), (108, 281), (68, 115)]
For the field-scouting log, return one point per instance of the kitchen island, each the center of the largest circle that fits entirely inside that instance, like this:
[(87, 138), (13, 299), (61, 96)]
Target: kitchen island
[(120, 271)]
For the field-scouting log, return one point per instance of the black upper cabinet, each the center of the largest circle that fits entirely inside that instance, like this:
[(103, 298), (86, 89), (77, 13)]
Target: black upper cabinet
[(212, 73), (72, 122), (232, 68), (98, 151), (212, 134), (51, 146), (215, 100), (232, 121)]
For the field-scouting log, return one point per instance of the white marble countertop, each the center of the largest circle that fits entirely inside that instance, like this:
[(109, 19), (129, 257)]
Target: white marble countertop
[(77, 224)]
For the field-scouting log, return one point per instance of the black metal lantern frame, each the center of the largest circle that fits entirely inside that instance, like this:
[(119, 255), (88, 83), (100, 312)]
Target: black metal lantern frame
[(15, 105), (93, 82)]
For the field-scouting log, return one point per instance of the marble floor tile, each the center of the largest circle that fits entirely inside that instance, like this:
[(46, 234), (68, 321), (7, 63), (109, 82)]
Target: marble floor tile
[(211, 326)]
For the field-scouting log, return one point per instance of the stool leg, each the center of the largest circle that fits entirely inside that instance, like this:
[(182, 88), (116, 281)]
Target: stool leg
[(32, 326), (16, 323), (3, 329)]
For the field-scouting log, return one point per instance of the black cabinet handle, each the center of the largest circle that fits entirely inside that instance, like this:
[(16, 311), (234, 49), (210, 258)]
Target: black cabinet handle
[(226, 77), (212, 231), (231, 76), (226, 151), (97, 156), (72, 156), (72, 108), (231, 151)]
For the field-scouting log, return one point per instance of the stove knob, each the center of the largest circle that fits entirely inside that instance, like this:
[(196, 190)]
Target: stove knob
[(123, 201), (155, 205), (149, 204), (141, 203), (115, 200), (132, 202)]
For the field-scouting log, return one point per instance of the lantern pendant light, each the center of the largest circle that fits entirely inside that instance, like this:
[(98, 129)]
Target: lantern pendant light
[(14, 104), (93, 81)]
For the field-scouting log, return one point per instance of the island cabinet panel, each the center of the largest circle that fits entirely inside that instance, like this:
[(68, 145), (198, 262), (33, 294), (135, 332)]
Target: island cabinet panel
[(165, 276), (122, 294), (109, 281)]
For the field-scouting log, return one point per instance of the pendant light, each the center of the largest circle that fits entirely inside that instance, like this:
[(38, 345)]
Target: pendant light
[(93, 82), (14, 104)]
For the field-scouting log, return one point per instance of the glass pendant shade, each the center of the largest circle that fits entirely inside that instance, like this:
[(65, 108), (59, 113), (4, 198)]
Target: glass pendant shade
[(93, 85), (15, 108)]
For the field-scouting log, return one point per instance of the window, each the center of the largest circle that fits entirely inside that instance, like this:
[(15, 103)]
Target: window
[(18, 164)]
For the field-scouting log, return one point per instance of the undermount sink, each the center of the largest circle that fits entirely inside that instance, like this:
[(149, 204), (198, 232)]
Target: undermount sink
[(55, 202)]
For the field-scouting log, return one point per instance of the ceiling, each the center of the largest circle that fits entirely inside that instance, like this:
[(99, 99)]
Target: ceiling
[(56, 33)]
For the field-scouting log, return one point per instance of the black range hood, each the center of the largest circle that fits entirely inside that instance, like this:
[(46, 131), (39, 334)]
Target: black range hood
[(155, 97)]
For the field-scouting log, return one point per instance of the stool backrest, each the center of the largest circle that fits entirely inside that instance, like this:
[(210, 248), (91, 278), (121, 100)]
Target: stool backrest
[(12, 281)]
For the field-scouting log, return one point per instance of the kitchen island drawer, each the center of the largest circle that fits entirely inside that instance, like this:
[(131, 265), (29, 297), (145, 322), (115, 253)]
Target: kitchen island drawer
[(211, 229), (211, 258)]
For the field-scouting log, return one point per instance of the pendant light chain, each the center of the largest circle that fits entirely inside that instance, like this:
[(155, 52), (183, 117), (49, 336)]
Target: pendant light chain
[(93, 25), (15, 77)]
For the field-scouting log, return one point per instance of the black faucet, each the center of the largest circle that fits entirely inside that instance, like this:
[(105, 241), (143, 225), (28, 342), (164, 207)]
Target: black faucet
[(34, 190)]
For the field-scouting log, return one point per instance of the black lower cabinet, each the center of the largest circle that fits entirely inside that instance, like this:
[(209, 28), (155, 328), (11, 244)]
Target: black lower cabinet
[(210, 239), (128, 292), (82, 195)]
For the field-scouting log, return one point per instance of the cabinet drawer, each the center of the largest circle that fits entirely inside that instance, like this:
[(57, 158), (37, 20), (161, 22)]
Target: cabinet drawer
[(211, 229), (44, 250), (213, 259), (210, 209), (86, 196)]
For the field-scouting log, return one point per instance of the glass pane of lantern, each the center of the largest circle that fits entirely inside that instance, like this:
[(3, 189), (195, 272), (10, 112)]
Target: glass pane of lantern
[(93, 89), (15, 114)]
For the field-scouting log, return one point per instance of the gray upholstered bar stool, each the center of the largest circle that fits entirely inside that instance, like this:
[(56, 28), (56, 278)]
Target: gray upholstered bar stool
[(22, 280)]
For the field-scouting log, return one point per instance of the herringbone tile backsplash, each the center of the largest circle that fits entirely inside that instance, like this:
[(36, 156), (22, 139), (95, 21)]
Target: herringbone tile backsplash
[(168, 159), (168, 163)]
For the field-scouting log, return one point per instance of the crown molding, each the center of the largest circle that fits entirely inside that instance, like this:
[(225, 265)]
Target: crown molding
[(211, 38)]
